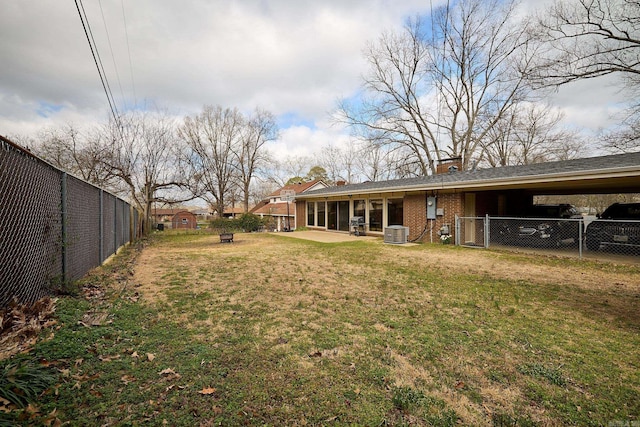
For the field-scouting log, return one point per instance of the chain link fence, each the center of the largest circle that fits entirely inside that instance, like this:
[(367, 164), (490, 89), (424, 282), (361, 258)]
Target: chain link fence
[(54, 227), (595, 238)]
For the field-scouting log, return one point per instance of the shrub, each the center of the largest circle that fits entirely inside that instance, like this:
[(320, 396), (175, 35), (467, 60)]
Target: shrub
[(246, 222)]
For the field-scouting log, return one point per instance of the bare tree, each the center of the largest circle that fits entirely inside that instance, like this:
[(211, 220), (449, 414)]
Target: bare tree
[(439, 88), (141, 152), (251, 153), (79, 154), (588, 39), (530, 133), (209, 161), (280, 171)]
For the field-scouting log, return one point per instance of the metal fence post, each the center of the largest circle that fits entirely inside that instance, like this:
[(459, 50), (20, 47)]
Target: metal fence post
[(115, 226), (580, 225), (457, 227), (101, 225), (486, 231), (63, 212)]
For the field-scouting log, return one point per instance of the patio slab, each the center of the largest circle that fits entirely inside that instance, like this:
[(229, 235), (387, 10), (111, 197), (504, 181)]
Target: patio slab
[(327, 236)]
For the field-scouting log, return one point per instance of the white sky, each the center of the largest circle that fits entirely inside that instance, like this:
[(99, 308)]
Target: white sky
[(295, 58)]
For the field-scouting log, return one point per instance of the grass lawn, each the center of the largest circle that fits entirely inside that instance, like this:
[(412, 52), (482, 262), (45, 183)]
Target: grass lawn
[(271, 330)]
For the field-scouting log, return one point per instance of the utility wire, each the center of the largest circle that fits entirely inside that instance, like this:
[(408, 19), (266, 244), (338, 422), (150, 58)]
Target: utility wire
[(126, 33), (97, 61), (113, 58)]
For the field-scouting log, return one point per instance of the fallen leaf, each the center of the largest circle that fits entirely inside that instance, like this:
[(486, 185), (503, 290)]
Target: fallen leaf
[(316, 354), (207, 390), (79, 362), (127, 379), (150, 357), (5, 405), (168, 371), (459, 385), (108, 358), (135, 355), (52, 420)]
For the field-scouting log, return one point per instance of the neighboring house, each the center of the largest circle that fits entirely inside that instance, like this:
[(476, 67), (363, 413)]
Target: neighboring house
[(282, 210), (184, 219), (232, 212), (202, 213), (426, 204)]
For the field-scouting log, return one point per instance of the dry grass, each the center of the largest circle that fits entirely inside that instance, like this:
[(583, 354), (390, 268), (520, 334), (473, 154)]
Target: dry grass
[(291, 332), (305, 289)]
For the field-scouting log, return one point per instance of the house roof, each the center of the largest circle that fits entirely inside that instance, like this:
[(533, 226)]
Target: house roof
[(234, 210), (155, 211), (605, 174), (183, 212), (275, 209), (300, 187)]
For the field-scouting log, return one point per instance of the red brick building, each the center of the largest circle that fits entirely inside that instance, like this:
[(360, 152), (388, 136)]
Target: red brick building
[(184, 220)]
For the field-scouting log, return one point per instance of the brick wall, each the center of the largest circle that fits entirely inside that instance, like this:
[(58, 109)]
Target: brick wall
[(415, 214), (453, 204)]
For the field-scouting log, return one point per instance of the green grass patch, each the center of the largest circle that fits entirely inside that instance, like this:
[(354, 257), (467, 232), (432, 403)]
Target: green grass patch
[(272, 330)]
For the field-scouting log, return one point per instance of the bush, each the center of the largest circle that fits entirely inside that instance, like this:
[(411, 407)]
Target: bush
[(245, 223)]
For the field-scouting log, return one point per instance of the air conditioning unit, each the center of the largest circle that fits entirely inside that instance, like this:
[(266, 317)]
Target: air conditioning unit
[(396, 234)]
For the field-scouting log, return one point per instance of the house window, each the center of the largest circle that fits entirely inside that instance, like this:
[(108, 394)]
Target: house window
[(184, 221), (321, 213), (394, 212), (359, 207), (375, 215), (311, 213)]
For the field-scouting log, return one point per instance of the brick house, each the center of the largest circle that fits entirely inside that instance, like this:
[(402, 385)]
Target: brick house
[(282, 210), (427, 204)]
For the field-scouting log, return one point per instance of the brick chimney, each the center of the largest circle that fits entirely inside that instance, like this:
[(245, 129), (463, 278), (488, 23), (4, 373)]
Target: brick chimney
[(341, 183), (453, 164)]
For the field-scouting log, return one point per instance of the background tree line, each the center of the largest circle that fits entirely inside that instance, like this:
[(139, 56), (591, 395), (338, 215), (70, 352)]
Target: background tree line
[(468, 79), (152, 158)]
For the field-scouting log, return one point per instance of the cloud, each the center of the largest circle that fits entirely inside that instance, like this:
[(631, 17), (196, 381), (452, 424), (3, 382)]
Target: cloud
[(293, 58)]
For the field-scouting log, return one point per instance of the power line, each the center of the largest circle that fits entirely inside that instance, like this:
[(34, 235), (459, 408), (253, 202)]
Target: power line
[(126, 33), (113, 58), (97, 60)]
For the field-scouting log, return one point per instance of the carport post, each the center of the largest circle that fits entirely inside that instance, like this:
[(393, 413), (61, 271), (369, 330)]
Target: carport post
[(457, 226)]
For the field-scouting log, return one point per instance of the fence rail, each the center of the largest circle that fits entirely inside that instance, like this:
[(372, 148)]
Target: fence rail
[(54, 227), (579, 236)]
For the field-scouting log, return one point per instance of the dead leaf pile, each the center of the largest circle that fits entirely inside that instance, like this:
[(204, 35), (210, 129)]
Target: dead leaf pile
[(20, 325)]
